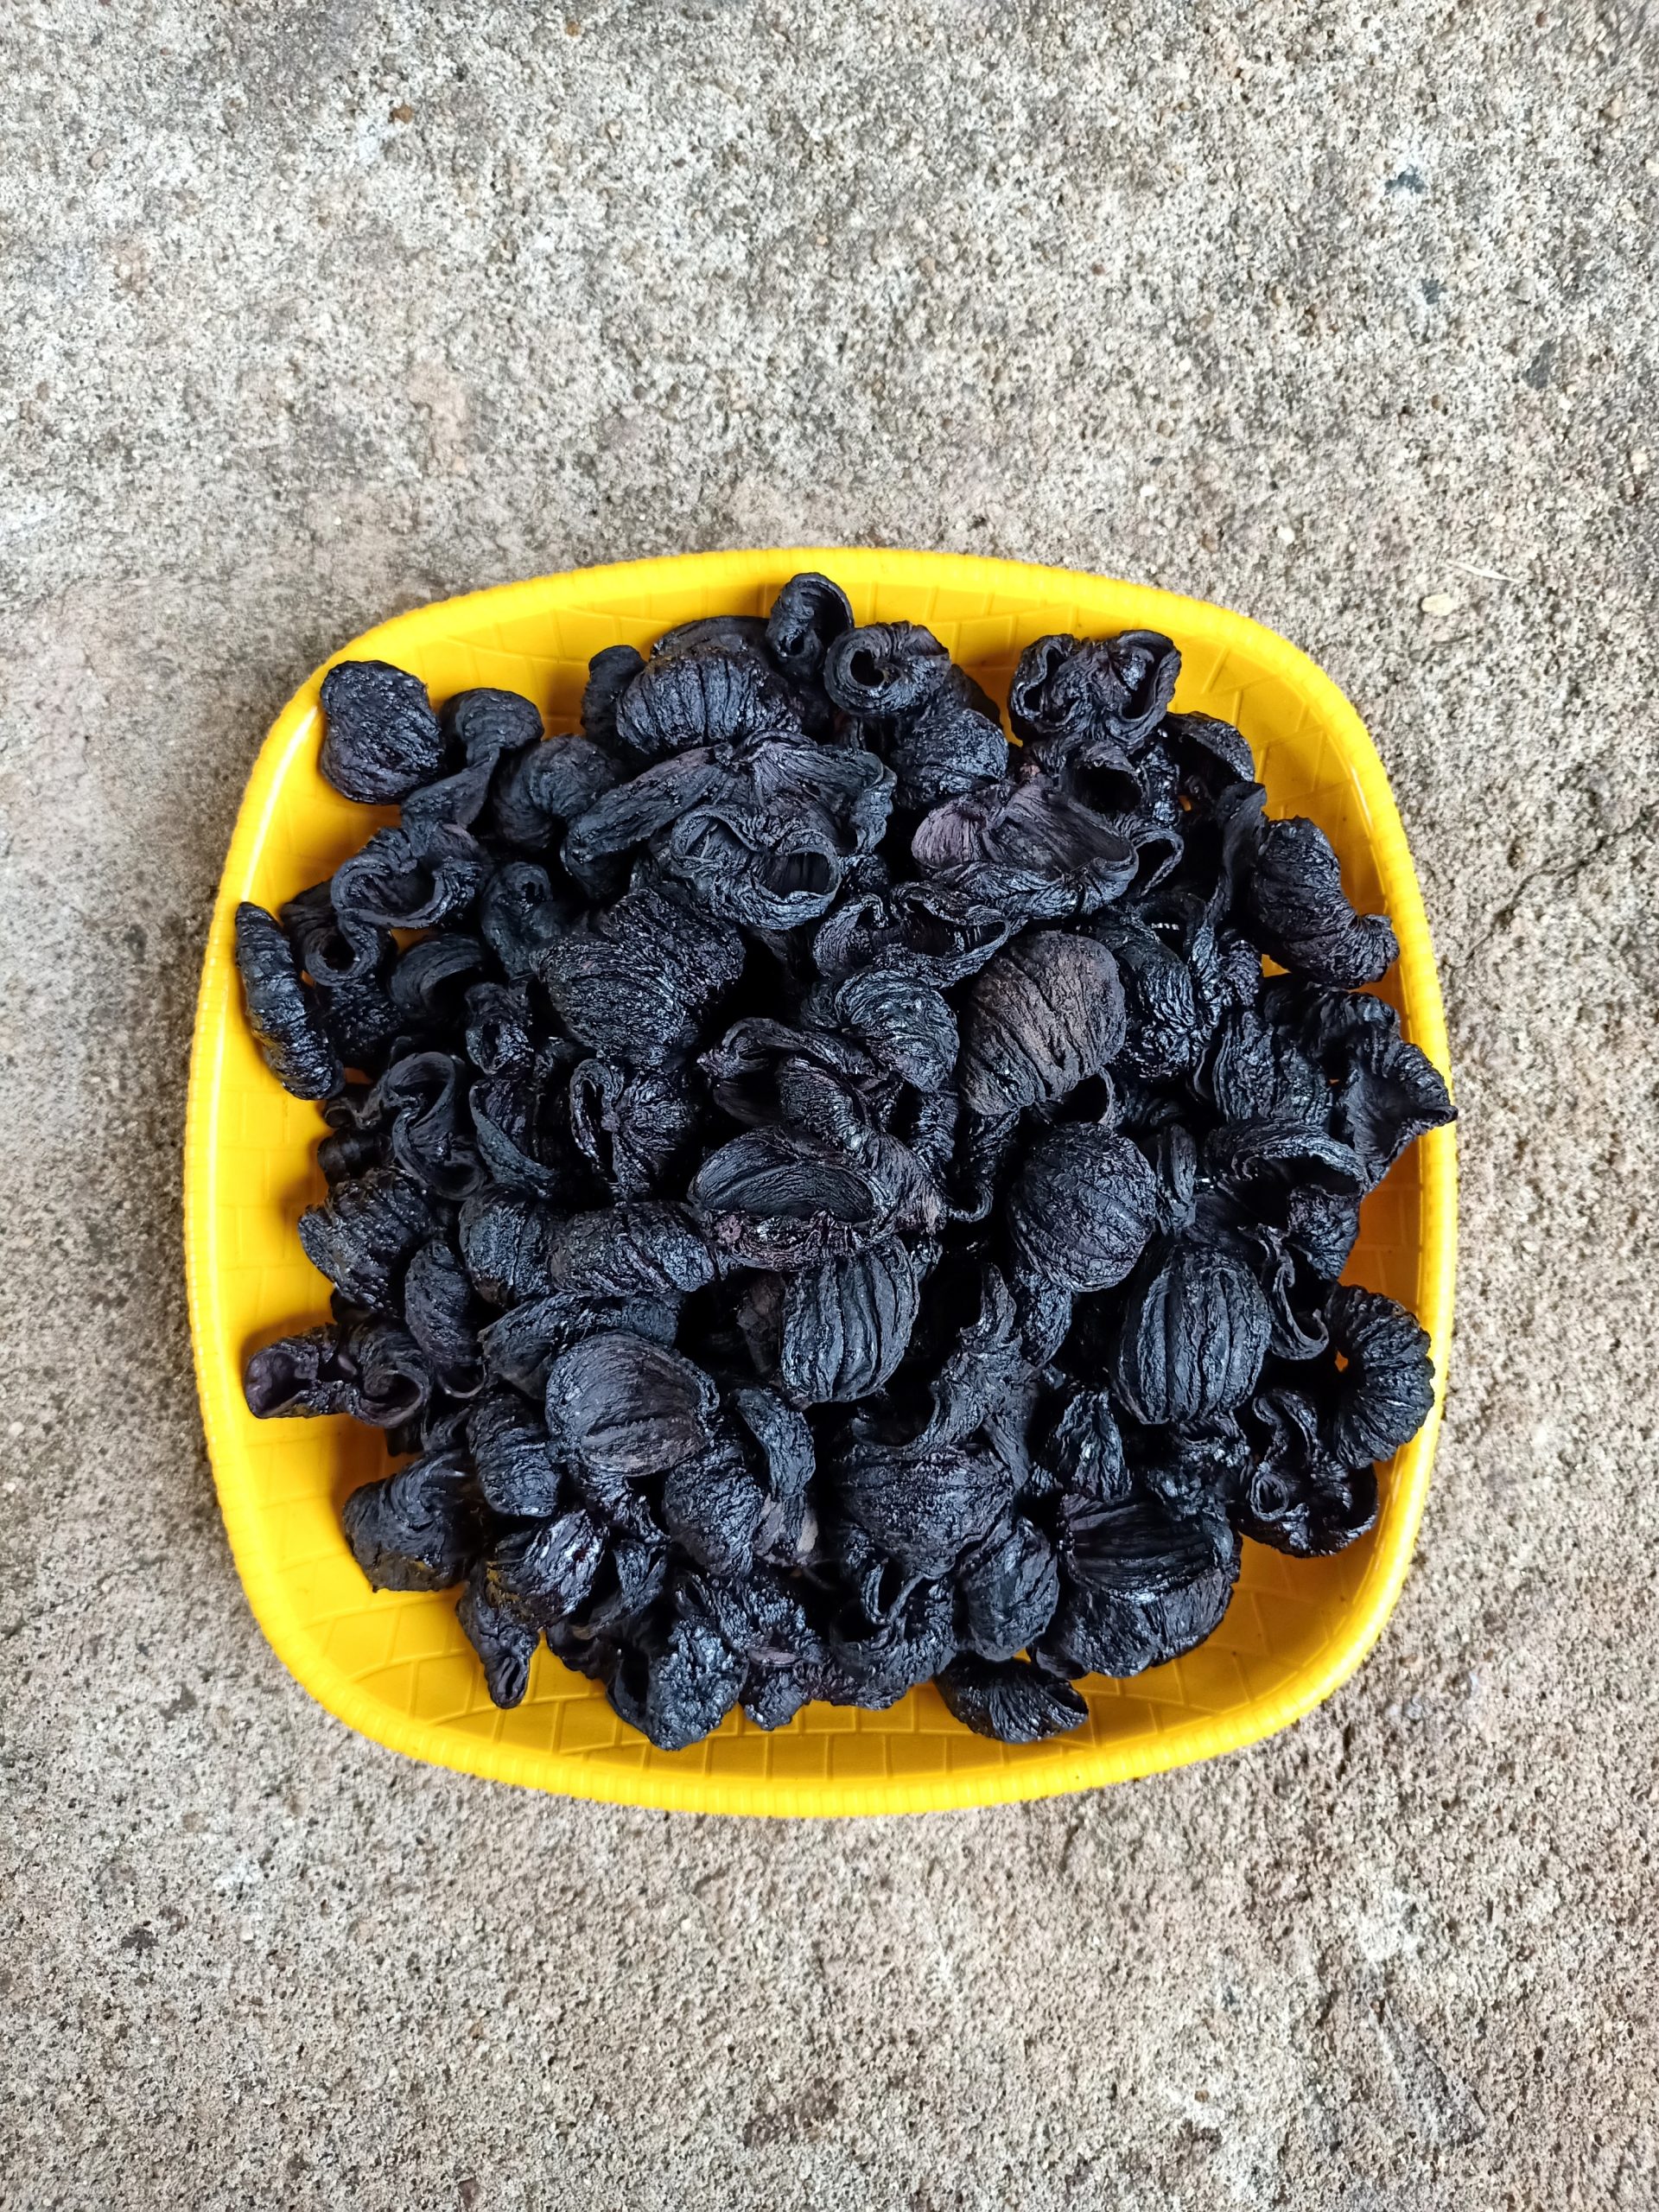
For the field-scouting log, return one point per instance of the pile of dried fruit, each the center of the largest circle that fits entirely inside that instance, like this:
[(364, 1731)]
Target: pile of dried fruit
[(830, 1201)]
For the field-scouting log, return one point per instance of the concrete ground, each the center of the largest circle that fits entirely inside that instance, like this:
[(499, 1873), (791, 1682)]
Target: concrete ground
[(1342, 315)]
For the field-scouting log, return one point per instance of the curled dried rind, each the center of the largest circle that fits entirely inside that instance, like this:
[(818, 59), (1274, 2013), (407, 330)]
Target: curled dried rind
[(283, 1013), (1297, 911), (1297, 1497), (1070, 688), (366, 1231), (1386, 1389), (904, 1022), (416, 1530), (1013, 1700), (444, 1314), (677, 1686), (807, 617), (1026, 850), (517, 1472), (1082, 1208), (770, 1200), (382, 739), (885, 671), (1043, 1014), (547, 785), (954, 744), (647, 1249), (541, 1574), (1193, 1335)]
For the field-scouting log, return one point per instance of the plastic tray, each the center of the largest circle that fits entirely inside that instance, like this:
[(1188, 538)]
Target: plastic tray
[(396, 1667)]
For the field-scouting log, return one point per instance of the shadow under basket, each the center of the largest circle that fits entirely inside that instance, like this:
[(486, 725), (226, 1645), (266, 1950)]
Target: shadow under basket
[(396, 1667)]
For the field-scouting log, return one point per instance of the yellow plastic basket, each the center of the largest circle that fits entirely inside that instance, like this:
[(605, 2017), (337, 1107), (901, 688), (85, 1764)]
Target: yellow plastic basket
[(396, 1667)]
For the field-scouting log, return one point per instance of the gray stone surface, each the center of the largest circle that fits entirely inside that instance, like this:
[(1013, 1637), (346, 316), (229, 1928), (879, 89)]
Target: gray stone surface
[(311, 312)]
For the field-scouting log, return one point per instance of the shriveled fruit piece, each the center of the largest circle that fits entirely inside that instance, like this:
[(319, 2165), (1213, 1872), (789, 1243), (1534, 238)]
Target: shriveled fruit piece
[(1299, 912), (1010, 1699), (624, 1406), (504, 1644), (1194, 1334), (1082, 1208), (419, 1529), (1046, 1013), (1139, 1586), (283, 1013), (382, 739), (1386, 1389)]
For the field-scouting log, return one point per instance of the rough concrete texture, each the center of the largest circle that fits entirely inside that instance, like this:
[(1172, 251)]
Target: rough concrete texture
[(312, 313)]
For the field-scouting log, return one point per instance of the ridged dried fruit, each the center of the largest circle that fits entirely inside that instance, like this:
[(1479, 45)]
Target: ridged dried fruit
[(820, 1200)]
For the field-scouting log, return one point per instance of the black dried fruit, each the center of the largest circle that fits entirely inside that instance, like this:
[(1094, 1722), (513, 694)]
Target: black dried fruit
[(368, 1368), (522, 1344), (807, 617), (542, 1573), (712, 1507), (677, 1687), (1388, 1095), (704, 695), (506, 1244), (1008, 1587), (624, 1406), (772, 1200), (954, 745), (1192, 1336), (924, 1505), (1068, 689), (645, 1248), (831, 1201), (1140, 1585), (444, 1315), (1014, 1702), (1045, 1014), (1164, 1024), (835, 1332), (420, 1103), (1085, 1450), (1297, 1497), (284, 1013), (609, 674), (483, 727), (1026, 851), (636, 981), (1386, 1388), (547, 785), (1299, 913), (418, 1530), (365, 1232), (430, 985), (405, 879), (904, 1022), (504, 1644), (887, 671), (383, 740), (1081, 1208), (518, 1473)]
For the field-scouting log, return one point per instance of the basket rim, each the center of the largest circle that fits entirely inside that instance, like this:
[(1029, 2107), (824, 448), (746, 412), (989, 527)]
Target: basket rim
[(1057, 1770)]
